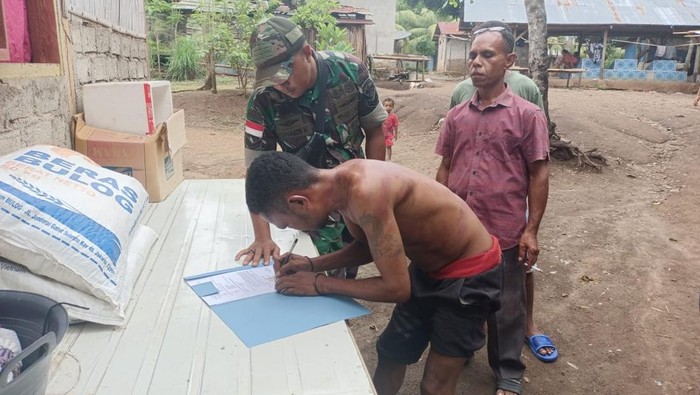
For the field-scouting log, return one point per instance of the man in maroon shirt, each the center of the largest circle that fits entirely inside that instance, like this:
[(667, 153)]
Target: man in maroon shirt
[(495, 152)]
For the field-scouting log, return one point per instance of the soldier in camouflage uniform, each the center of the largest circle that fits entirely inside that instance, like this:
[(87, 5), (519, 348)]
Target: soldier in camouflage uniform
[(281, 111)]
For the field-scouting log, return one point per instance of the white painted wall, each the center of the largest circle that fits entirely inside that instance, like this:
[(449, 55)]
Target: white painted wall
[(380, 35)]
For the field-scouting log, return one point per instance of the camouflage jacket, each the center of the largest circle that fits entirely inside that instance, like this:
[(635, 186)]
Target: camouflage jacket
[(352, 104)]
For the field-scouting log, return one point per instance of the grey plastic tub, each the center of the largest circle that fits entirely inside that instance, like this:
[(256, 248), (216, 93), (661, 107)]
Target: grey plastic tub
[(40, 324)]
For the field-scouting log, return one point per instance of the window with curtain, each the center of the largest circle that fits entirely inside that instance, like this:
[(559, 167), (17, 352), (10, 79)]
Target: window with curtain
[(28, 32), (15, 29), (4, 48)]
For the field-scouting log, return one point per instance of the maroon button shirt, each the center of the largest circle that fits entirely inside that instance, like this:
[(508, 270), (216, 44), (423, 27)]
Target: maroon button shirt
[(491, 148)]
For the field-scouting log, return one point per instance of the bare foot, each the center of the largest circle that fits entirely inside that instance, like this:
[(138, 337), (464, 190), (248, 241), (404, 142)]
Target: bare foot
[(544, 350), (514, 385)]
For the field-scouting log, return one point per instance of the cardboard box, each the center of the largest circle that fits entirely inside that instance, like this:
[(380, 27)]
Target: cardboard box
[(128, 107), (155, 160)]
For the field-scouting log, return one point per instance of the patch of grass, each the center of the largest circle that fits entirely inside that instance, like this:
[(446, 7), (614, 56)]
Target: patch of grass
[(222, 82), (184, 62)]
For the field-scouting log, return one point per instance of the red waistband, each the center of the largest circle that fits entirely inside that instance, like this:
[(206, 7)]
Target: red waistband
[(471, 266)]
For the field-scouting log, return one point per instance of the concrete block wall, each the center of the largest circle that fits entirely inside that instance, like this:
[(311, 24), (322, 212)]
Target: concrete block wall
[(456, 55), (456, 66), (34, 111), (101, 54), (37, 110)]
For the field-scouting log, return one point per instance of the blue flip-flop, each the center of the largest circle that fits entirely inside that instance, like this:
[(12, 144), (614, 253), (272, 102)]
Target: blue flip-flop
[(540, 341)]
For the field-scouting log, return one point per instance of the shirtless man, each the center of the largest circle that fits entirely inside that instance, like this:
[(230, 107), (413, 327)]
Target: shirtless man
[(443, 297)]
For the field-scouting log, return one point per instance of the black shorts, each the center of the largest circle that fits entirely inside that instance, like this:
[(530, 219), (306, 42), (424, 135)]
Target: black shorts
[(448, 314)]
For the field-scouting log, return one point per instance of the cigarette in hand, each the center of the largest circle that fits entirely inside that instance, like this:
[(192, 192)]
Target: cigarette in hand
[(535, 268)]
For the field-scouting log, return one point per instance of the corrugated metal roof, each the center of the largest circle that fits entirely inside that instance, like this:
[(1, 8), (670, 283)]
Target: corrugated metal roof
[(590, 12), (448, 28), (347, 15), (346, 9)]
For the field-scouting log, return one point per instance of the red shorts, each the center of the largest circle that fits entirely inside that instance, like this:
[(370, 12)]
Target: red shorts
[(389, 140), (471, 266)]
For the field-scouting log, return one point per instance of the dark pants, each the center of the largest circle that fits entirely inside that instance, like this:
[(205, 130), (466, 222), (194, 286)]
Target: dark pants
[(506, 327), (448, 314)]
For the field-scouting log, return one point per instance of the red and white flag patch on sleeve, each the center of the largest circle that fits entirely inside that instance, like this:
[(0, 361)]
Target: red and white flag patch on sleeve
[(254, 129)]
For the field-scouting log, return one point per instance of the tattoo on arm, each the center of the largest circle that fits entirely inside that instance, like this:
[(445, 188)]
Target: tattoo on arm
[(382, 243)]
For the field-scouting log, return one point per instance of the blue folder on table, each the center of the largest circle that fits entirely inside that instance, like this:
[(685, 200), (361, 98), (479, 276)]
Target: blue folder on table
[(271, 316)]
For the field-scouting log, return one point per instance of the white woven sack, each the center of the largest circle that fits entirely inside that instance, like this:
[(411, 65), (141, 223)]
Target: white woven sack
[(16, 277), (65, 217)]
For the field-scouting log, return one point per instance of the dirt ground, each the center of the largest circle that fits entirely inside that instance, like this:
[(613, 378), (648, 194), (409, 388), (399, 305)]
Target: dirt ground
[(619, 291)]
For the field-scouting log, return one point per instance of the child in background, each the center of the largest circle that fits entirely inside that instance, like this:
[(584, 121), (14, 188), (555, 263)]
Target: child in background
[(391, 126)]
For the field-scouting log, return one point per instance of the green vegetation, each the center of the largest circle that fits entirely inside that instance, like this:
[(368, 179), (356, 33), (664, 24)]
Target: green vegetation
[(223, 28), (332, 38), (314, 14), (315, 17), (246, 19), (218, 31), (184, 60), (222, 81), (444, 8), (613, 52), (421, 25), (162, 21)]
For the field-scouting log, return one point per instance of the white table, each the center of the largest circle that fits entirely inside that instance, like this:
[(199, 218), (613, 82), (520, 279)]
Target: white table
[(173, 343)]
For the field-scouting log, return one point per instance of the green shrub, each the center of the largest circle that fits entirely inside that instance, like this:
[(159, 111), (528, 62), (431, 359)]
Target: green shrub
[(314, 13), (332, 38), (184, 61), (611, 54)]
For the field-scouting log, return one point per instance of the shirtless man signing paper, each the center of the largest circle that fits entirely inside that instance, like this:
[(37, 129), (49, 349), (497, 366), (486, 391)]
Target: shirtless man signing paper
[(442, 298)]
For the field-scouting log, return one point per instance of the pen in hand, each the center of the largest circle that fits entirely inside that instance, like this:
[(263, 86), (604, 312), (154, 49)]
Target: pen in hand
[(291, 249)]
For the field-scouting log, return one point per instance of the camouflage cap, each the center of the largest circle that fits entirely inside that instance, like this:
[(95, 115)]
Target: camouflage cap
[(273, 44)]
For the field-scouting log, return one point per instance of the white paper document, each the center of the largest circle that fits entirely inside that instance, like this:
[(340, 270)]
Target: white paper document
[(239, 284)]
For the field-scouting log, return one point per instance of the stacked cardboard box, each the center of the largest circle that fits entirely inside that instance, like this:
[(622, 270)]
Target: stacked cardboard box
[(130, 127)]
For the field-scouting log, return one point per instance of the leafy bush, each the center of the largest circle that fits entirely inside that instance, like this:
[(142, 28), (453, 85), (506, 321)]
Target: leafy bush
[(426, 47), (184, 61), (331, 37), (612, 53), (314, 14), (162, 20)]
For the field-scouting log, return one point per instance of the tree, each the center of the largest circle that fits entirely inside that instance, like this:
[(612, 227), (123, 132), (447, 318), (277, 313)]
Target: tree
[(422, 25), (214, 20), (225, 27), (537, 34), (538, 51), (162, 22), (449, 8), (313, 16), (246, 19), (320, 27)]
